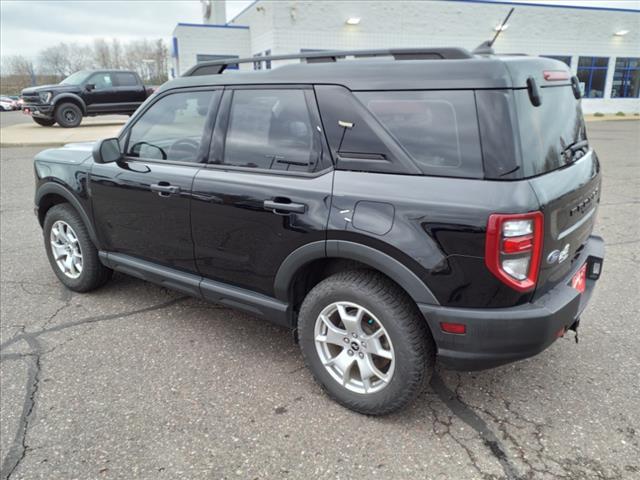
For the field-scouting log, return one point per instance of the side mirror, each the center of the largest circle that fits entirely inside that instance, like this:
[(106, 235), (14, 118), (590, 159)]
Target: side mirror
[(90, 86), (107, 151)]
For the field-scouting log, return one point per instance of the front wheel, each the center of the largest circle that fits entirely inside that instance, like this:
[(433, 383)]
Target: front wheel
[(45, 122), (72, 254), (68, 115), (365, 342)]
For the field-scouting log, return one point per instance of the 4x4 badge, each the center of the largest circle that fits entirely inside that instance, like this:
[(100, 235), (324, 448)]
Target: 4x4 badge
[(559, 255)]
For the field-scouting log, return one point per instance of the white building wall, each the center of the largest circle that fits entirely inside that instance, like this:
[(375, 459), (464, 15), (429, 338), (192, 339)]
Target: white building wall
[(287, 26), (208, 40)]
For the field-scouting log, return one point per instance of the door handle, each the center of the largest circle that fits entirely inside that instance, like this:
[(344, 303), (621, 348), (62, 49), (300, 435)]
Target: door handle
[(164, 190), (284, 206)]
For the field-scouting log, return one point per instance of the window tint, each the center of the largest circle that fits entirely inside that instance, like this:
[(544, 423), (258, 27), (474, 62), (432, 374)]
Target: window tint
[(270, 129), (626, 78), (125, 79), (592, 73), (171, 129), (101, 81), (439, 129), (545, 131)]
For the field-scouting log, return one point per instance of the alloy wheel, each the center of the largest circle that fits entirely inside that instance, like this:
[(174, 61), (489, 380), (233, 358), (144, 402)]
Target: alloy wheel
[(65, 248), (354, 347)]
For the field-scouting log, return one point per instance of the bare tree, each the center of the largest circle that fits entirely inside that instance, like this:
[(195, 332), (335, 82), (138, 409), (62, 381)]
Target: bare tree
[(55, 60), (102, 53), (148, 58), (18, 72), (19, 66), (116, 53)]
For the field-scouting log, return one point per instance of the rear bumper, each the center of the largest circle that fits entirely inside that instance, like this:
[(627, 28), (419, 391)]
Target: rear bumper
[(497, 336)]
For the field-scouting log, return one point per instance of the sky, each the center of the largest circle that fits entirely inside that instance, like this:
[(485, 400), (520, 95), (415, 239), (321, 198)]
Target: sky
[(28, 26)]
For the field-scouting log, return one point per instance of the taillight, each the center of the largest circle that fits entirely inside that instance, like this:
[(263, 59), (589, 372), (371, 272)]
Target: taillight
[(555, 75), (513, 248)]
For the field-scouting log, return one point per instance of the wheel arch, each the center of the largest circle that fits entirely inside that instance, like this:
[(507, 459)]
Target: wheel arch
[(347, 251), (51, 194), (70, 98)]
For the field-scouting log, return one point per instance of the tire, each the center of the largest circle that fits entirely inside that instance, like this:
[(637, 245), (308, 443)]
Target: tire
[(84, 275), (45, 122), (68, 115), (403, 337)]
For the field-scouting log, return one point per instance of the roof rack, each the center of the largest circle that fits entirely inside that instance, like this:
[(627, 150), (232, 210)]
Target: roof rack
[(216, 67)]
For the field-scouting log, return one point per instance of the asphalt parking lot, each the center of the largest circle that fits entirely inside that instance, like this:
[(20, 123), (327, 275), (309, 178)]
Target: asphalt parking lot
[(134, 381)]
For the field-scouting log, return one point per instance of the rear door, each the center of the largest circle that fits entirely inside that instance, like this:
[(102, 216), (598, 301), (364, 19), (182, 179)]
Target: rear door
[(266, 190), (564, 172), (129, 92)]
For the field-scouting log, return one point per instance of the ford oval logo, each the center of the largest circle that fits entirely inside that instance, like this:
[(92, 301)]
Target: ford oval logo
[(558, 255)]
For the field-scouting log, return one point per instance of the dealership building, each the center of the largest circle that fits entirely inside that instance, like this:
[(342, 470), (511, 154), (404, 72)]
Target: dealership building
[(600, 45)]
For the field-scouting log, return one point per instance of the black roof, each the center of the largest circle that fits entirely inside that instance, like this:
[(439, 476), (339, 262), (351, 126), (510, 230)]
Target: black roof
[(474, 72)]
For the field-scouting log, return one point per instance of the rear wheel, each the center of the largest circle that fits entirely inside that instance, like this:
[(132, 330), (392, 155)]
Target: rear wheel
[(365, 342), (71, 252), (68, 115), (45, 122)]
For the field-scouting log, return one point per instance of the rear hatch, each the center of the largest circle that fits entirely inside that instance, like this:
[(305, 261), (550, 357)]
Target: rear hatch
[(562, 169)]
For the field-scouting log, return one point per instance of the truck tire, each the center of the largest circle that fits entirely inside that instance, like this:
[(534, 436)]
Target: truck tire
[(71, 253), (365, 342), (68, 115), (45, 122)]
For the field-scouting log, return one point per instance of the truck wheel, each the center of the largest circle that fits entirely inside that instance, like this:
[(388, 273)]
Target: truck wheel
[(72, 254), (45, 122), (68, 115), (365, 342)]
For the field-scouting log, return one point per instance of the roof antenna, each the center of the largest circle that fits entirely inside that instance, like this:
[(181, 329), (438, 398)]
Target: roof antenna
[(486, 47)]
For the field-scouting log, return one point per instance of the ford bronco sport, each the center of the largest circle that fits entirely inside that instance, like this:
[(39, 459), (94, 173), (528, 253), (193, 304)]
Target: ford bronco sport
[(391, 209)]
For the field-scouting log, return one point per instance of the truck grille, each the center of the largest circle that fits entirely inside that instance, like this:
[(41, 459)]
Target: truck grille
[(31, 98)]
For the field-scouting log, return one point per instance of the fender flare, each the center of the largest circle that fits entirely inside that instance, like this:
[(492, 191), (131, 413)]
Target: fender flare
[(57, 189), (372, 257), (63, 96)]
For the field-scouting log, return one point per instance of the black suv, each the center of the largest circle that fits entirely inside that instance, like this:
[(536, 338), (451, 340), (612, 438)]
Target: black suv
[(390, 211), (85, 93)]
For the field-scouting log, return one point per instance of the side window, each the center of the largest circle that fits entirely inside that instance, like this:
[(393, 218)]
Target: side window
[(126, 79), (172, 128), (271, 129), (101, 81), (358, 142), (439, 129)]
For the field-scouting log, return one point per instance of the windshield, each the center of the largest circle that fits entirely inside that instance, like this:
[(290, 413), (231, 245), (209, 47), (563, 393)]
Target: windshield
[(546, 131), (76, 78)]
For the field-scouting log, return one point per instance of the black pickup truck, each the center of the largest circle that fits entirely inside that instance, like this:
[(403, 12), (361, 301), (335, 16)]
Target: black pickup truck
[(85, 93)]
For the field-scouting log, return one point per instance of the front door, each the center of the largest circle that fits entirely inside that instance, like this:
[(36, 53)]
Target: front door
[(141, 205), (99, 92), (266, 190)]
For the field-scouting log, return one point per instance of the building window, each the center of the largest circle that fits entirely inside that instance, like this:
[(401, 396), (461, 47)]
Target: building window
[(257, 65), (566, 59), (592, 73), (626, 78), (267, 63)]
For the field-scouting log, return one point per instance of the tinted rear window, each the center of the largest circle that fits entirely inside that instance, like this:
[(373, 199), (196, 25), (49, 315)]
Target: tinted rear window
[(126, 79), (545, 131), (438, 129)]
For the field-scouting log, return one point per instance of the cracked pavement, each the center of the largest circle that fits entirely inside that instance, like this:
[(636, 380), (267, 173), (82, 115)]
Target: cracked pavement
[(135, 381)]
